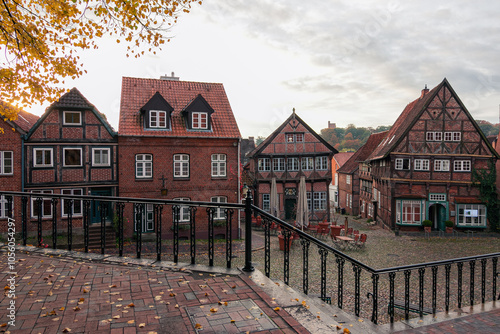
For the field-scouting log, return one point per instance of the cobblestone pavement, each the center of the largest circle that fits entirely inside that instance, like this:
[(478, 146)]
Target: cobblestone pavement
[(58, 294)]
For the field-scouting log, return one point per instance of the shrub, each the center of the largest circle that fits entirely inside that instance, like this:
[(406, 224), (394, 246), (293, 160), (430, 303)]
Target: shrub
[(427, 223), (448, 223)]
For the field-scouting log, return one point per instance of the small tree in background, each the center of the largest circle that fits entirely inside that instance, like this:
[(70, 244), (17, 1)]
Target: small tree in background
[(485, 180)]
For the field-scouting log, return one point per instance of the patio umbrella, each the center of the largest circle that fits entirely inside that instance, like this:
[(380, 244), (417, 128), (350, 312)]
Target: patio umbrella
[(302, 210), (274, 201)]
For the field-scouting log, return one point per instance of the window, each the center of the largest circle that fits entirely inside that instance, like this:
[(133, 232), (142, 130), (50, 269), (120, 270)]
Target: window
[(100, 157), (421, 164), (348, 179), (72, 157), (143, 166), (200, 120), (294, 137), (292, 164), (403, 163), (6, 163), (457, 136), (184, 215), (442, 165), (461, 166), (219, 212), (299, 137), (46, 209), (181, 165), (279, 164), (307, 163), (266, 202), (319, 200), (452, 136), (321, 163), (76, 207), (4, 207), (218, 165), (157, 119), (145, 217), (264, 165), (309, 201), (437, 197), (72, 118), (370, 210), (289, 138), (42, 157), (434, 136), (409, 212), (471, 215)]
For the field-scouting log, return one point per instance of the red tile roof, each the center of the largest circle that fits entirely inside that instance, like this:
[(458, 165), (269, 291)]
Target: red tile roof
[(25, 120), (136, 92), (371, 144), (342, 157)]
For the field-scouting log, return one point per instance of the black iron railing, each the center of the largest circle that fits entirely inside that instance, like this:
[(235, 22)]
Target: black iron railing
[(383, 290)]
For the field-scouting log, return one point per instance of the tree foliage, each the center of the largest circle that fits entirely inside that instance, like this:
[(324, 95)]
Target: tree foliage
[(351, 138), (485, 180), (39, 40)]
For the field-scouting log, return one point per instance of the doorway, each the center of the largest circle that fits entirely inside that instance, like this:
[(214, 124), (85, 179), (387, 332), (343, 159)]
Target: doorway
[(290, 208), (437, 214), (96, 205)]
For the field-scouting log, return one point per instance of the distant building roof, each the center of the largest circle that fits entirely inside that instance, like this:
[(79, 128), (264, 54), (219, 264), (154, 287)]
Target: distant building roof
[(364, 151), (136, 92), (24, 121), (342, 157)]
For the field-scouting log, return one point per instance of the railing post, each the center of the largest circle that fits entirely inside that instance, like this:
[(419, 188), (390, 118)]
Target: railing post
[(248, 233), (24, 218)]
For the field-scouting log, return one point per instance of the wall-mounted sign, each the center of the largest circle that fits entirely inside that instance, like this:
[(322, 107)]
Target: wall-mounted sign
[(290, 191), (470, 213)]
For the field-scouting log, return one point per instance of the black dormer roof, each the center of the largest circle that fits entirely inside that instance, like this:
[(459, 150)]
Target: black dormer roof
[(157, 102), (198, 104)]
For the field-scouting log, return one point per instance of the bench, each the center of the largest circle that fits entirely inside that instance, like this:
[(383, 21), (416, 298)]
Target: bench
[(400, 304)]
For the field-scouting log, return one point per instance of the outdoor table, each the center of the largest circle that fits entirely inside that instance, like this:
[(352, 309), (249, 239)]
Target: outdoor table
[(346, 241)]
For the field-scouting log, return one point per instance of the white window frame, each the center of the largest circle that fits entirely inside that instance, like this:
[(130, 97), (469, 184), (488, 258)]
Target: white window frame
[(289, 138), (319, 200), (218, 165), (264, 165), (66, 149), (157, 119), (44, 201), (181, 165), (307, 163), (321, 163), (442, 165), (266, 202), (292, 164), (471, 215), (219, 213), (99, 151), (42, 150), (462, 166), (421, 164), (147, 219), (143, 166), (434, 136), (3, 207), (184, 214), (400, 163), (72, 112), (77, 210), (198, 118), (3, 163), (348, 179), (457, 136), (309, 201), (411, 207), (299, 137), (279, 164), (437, 197)]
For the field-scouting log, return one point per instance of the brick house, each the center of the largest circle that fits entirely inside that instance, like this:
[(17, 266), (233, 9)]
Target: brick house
[(423, 167), (71, 150), (11, 160), (291, 151), (178, 140), (354, 179), (338, 161)]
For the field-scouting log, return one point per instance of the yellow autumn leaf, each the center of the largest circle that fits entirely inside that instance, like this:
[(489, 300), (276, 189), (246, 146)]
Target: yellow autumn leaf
[(276, 308)]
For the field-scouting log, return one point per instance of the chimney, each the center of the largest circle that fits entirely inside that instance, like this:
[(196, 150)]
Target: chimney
[(167, 78), (424, 91)]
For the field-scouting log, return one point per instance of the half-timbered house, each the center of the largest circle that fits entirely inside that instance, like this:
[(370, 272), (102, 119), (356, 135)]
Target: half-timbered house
[(293, 150), (423, 167)]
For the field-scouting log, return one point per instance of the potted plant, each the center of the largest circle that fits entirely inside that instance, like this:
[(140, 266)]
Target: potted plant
[(427, 225), (449, 226), (281, 239)]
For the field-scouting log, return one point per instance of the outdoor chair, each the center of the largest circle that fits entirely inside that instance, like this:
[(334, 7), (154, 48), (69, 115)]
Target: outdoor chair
[(361, 241), (323, 231), (349, 231), (355, 232)]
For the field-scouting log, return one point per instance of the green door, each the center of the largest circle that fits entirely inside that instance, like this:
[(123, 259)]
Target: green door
[(290, 205), (96, 205)]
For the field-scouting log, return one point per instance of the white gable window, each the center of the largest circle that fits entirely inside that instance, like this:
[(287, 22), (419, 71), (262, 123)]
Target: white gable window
[(6, 163), (100, 157), (442, 165), (72, 118), (157, 119), (434, 136), (42, 157), (72, 157), (461, 166), (200, 120), (421, 164), (218, 165), (181, 165), (457, 136), (403, 163)]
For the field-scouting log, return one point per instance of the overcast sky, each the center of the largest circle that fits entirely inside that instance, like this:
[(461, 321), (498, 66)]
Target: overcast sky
[(358, 62)]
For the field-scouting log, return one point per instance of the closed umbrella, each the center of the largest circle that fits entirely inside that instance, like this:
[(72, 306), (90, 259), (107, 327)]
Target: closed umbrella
[(274, 201), (302, 209)]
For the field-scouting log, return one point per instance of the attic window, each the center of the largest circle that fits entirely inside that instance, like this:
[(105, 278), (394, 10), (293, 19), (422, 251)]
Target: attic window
[(72, 118), (157, 119), (200, 120)]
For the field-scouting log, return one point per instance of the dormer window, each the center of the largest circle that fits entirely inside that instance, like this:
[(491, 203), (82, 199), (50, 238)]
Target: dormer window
[(156, 113), (72, 118), (200, 120), (198, 114), (157, 119)]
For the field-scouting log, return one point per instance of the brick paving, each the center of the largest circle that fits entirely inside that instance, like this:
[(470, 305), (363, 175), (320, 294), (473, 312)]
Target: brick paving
[(58, 293)]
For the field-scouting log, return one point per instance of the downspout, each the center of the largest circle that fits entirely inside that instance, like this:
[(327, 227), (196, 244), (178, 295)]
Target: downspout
[(239, 187), (23, 170)]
